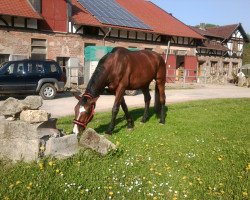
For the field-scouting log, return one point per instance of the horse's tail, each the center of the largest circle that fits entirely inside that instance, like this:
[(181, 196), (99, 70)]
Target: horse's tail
[(157, 104)]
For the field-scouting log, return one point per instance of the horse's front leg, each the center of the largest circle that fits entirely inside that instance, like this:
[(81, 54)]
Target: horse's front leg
[(127, 115), (115, 109)]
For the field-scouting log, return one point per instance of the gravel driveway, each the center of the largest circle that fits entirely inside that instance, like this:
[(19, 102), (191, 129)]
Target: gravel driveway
[(64, 104)]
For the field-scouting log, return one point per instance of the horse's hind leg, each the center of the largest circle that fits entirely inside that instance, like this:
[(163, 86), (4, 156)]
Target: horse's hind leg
[(127, 115), (147, 98), (162, 99)]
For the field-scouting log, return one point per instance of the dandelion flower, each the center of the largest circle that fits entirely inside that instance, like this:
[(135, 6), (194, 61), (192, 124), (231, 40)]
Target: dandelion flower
[(50, 163), (11, 186), (244, 194), (18, 182), (248, 167)]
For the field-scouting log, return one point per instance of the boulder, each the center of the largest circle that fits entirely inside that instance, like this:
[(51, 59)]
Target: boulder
[(22, 141), (23, 130), (90, 139), (10, 107), (34, 116), (61, 147), (19, 149), (32, 102)]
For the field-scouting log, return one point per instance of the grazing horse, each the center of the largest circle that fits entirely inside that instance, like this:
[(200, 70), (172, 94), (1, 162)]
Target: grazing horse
[(122, 70)]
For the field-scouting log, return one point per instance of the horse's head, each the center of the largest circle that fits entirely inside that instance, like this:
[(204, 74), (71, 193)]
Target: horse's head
[(84, 111)]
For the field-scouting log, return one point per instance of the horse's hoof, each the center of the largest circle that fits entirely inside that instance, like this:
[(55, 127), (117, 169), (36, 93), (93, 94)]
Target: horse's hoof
[(108, 133)]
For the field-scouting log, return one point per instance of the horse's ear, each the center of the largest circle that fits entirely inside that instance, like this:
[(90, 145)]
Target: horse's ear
[(93, 101), (78, 97)]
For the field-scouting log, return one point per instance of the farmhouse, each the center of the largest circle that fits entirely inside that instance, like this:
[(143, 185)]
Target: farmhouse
[(62, 29)]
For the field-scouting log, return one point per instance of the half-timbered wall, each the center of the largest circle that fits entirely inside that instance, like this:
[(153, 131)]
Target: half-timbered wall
[(235, 44), (18, 22)]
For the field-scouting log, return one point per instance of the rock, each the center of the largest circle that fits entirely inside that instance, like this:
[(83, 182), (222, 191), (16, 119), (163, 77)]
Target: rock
[(62, 147), (19, 149), (32, 102), (90, 139), (22, 130), (34, 116), (11, 106)]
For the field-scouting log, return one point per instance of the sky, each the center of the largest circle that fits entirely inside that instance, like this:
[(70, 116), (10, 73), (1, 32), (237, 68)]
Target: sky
[(218, 12)]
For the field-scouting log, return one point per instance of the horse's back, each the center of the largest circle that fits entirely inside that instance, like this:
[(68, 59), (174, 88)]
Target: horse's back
[(134, 69)]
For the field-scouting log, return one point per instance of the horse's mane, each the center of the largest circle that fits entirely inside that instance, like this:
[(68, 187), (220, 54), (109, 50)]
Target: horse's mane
[(97, 82), (95, 79)]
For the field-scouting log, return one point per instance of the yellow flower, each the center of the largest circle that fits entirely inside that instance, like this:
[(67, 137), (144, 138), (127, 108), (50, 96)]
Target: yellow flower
[(40, 166), (11, 186), (110, 187), (50, 163), (244, 194), (29, 187), (220, 158), (111, 193), (155, 198), (248, 167), (57, 170), (174, 198), (42, 148), (18, 182)]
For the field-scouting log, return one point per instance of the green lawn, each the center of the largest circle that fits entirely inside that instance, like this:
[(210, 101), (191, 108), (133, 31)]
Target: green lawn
[(203, 152)]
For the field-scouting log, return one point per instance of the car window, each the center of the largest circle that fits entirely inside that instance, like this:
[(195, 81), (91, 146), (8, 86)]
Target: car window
[(39, 68), (20, 68), (11, 69), (52, 68)]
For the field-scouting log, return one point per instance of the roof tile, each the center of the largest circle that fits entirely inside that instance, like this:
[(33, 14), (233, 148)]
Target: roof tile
[(159, 20), (20, 8)]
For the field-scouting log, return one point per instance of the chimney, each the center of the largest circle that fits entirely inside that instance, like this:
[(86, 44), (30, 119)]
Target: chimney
[(203, 26)]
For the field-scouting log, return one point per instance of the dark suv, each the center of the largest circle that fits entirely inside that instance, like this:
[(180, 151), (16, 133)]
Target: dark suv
[(28, 76)]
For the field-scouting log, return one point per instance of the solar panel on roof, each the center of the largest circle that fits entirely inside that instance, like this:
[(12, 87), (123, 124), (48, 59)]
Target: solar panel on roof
[(110, 12)]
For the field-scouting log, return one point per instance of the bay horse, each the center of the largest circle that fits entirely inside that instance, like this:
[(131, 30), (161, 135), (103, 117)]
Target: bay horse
[(122, 70)]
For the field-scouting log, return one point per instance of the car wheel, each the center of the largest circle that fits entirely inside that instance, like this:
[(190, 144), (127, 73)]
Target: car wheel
[(131, 92), (48, 91)]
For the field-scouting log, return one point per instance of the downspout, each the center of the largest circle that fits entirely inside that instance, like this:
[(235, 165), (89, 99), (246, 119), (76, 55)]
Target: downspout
[(166, 58), (106, 36)]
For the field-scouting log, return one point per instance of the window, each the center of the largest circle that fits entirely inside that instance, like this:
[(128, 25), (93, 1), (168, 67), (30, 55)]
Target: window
[(20, 68), (4, 58), (213, 70), (38, 49), (11, 69), (30, 68), (39, 68), (226, 68), (52, 68), (235, 68)]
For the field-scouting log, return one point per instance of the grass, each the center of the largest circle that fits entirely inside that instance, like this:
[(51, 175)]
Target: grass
[(202, 152)]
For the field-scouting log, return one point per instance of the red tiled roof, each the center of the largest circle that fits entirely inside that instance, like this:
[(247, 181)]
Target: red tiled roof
[(206, 32), (159, 20), (223, 31), (20, 8)]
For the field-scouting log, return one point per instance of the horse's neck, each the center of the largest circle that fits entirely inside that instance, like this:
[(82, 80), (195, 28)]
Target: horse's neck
[(97, 83)]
